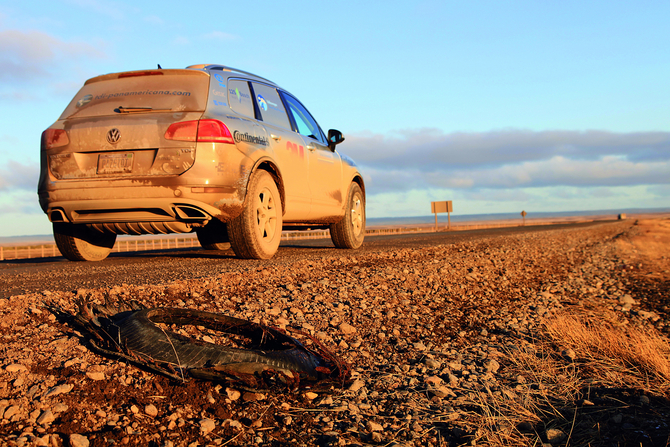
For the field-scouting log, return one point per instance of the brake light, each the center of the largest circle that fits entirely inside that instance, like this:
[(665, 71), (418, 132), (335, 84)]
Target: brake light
[(184, 131), (52, 138), (214, 131), (140, 73), (201, 131)]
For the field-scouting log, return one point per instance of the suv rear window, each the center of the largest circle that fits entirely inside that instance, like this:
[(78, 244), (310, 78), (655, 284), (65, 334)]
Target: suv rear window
[(172, 90)]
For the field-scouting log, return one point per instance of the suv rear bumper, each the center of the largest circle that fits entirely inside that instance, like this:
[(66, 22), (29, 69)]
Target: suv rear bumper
[(187, 205)]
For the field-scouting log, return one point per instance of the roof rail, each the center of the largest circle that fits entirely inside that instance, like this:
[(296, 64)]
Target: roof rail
[(223, 67)]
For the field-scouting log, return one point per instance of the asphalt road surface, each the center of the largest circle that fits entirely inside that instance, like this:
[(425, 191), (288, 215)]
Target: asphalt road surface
[(19, 277)]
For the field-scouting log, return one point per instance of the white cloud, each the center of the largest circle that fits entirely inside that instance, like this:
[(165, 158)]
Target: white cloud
[(513, 200), (607, 171), (428, 158), (29, 55), (18, 176), (20, 202), (219, 35), (17, 96), (661, 191), (154, 20), (432, 147), (497, 195), (111, 9), (180, 40)]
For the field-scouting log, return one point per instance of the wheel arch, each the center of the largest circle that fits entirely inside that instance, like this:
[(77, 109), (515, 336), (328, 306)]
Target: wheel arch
[(271, 168), (359, 179)]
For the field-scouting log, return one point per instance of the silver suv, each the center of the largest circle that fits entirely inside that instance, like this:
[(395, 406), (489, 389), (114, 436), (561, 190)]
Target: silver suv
[(211, 149)]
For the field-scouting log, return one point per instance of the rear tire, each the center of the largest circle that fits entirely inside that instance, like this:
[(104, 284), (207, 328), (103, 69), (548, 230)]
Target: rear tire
[(350, 231), (255, 234), (213, 236), (80, 243)]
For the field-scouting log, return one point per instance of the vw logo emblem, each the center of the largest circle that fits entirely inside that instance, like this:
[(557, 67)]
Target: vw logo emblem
[(113, 136)]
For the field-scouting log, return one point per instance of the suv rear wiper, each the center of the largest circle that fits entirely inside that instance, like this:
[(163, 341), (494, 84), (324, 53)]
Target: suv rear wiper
[(121, 109)]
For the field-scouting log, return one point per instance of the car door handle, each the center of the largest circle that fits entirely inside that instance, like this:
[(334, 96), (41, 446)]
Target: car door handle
[(311, 147), (275, 137)]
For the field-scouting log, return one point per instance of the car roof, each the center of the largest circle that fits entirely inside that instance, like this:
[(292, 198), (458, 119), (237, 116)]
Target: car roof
[(206, 68), (209, 67)]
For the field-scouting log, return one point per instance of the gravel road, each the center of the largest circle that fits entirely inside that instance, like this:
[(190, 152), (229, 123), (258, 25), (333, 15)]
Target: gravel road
[(159, 267), (430, 325)]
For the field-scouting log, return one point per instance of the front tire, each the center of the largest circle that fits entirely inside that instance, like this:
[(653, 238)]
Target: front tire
[(350, 231), (80, 243), (255, 234)]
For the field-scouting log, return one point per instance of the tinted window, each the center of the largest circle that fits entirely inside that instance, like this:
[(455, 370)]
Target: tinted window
[(304, 123), (270, 105), (239, 97)]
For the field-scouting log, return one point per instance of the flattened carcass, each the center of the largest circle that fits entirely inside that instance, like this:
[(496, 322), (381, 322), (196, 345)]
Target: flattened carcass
[(270, 358)]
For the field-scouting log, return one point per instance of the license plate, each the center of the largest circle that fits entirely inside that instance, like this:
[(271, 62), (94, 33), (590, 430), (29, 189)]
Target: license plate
[(115, 163)]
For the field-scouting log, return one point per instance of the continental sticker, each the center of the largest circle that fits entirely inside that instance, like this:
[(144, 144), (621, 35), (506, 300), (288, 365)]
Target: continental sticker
[(247, 138)]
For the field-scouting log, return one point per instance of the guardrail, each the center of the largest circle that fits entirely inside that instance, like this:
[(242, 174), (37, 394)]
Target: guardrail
[(8, 253), (125, 245)]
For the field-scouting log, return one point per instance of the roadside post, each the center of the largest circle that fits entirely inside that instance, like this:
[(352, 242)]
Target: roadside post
[(442, 207), (523, 214)]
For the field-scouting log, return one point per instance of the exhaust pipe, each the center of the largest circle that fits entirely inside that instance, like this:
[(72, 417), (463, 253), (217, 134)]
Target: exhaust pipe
[(185, 212), (58, 215)]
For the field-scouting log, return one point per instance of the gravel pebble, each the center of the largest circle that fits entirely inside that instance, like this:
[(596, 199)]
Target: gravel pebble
[(151, 410), (15, 367), (60, 389), (555, 436), (206, 426), (347, 329), (77, 440), (46, 417), (97, 376), (232, 394)]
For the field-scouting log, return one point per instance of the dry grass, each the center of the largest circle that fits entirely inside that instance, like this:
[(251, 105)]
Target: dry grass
[(552, 387), (510, 418), (616, 355), (499, 419)]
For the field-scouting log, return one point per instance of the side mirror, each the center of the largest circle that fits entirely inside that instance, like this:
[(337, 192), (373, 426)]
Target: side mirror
[(335, 137)]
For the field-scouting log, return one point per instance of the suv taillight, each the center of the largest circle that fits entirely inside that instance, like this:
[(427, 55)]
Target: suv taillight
[(214, 131), (52, 138), (201, 131)]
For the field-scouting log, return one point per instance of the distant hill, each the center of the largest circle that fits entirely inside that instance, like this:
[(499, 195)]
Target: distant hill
[(469, 218)]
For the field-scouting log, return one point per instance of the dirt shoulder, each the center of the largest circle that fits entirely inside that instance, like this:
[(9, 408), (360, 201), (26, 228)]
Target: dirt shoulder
[(647, 243), (474, 340)]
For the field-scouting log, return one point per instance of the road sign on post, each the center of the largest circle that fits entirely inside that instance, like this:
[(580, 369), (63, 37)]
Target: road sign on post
[(442, 207), (523, 214)]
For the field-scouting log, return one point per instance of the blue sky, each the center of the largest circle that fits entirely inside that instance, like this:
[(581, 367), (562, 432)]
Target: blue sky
[(498, 106)]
